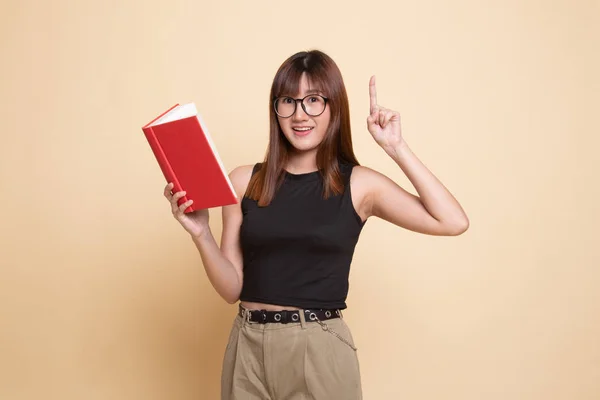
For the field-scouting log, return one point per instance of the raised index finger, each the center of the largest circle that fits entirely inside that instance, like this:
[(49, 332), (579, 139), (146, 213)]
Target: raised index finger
[(372, 94)]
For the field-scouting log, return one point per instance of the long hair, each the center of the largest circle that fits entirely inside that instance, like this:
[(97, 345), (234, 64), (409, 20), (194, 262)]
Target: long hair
[(336, 147)]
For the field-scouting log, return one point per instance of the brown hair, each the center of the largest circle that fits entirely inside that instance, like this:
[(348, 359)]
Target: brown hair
[(323, 73)]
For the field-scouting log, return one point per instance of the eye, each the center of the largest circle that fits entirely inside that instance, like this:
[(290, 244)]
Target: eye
[(287, 100), (313, 99)]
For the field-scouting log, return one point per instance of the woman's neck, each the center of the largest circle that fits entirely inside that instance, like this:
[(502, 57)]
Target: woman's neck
[(301, 163)]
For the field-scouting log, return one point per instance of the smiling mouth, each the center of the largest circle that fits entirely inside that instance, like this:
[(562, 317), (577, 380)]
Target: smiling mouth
[(303, 131)]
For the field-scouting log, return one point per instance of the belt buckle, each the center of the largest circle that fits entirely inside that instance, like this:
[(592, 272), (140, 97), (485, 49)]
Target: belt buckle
[(248, 315)]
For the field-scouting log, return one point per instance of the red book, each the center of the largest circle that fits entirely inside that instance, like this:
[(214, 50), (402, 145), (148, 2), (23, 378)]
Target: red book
[(188, 157)]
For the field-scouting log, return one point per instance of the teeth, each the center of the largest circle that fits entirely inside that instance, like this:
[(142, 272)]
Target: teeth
[(302, 129)]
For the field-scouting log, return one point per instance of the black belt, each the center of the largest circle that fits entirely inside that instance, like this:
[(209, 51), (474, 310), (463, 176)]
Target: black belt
[(287, 316)]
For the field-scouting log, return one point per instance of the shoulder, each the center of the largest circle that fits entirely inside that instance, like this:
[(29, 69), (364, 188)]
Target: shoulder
[(240, 177), (366, 177)]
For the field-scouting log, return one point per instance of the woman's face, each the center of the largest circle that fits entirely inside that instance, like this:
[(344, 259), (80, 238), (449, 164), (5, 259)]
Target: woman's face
[(303, 131)]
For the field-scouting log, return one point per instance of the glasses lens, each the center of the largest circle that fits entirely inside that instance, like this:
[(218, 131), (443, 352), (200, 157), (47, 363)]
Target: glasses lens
[(285, 106), (314, 105)]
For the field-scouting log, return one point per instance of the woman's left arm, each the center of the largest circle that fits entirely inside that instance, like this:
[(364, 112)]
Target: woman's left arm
[(435, 211)]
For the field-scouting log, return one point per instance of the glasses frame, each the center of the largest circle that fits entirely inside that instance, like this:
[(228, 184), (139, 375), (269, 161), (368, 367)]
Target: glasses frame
[(325, 100)]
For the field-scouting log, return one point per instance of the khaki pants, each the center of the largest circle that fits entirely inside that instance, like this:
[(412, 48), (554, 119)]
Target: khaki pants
[(294, 361)]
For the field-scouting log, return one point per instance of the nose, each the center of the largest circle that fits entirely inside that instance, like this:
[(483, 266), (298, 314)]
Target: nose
[(299, 114)]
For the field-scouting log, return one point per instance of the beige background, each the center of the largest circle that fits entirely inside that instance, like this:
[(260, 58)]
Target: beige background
[(102, 294)]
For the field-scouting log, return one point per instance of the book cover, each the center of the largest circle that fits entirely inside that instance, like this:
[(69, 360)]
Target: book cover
[(188, 157)]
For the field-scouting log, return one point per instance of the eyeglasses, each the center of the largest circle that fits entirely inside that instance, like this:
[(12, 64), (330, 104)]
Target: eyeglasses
[(313, 105)]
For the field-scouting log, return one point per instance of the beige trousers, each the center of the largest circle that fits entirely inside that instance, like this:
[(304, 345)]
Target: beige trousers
[(294, 361)]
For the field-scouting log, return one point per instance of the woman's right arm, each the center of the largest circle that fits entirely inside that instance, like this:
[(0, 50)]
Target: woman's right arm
[(224, 265)]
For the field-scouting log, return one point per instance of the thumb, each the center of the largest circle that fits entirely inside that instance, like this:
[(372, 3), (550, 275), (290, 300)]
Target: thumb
[(370, 120)]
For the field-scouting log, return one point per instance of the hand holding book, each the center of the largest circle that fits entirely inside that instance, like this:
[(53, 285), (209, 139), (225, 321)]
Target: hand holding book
[(195, 222)]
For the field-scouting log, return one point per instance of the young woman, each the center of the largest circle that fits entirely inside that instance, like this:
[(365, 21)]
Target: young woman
[(287, 246)]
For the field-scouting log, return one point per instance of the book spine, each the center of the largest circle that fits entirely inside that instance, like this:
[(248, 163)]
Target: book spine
[(165, 167)]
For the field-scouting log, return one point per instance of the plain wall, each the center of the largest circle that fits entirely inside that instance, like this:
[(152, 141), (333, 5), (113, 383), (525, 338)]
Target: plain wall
[(103, 294)]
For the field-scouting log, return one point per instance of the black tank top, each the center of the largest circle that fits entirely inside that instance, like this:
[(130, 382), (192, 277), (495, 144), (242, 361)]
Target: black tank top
[(297, 250)]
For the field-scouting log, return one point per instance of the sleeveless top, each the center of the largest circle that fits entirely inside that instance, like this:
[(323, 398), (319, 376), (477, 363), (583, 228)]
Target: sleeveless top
[(297, 250)]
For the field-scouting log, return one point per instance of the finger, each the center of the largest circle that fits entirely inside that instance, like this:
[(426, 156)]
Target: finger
[(370, 120), (177, 196), (371, 124), (377, 116), (374, 117), (167, 191), (185, 205), (387, 119), (372, 95), (382, 115)]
